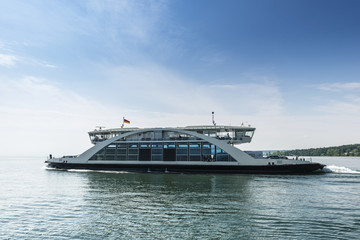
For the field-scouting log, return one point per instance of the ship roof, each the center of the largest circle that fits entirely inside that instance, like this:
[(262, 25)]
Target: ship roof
[(217, 128)]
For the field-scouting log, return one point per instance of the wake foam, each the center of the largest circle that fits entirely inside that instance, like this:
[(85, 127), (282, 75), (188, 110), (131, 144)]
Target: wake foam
[(99, 171), (337, 169), (82, 170)]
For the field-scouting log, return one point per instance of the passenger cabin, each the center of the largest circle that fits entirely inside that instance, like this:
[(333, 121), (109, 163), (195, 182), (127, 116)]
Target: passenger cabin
[(192, 143)]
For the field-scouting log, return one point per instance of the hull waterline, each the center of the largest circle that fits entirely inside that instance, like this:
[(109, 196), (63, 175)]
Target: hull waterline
[(265, 169)]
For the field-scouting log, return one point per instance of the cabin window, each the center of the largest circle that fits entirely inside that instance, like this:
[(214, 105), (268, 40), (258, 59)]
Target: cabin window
[(102, 151), (121, 151), (143, 145), (195, 158), (195, 151), (156, 157), (181, 151), (133, 157), (156, 151), (169, 145), (110, 151), (182, 145), (206, 149), (133, 151), (182, 158), (222, 157), (219, 150), (145, 154), (249, 133), (195, 148), (121, 157), (194, 145), (110, 157), (169, 154), (156, 145)]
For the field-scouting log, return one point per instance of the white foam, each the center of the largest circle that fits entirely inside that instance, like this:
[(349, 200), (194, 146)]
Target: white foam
[(337, 169), (100, 171), (52, 169), (80, 170)]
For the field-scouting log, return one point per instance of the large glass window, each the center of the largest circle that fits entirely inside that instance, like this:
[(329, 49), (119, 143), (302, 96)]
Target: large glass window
[(222, 157), (249, 133), (182, 158), (156, 157), (110, 157), (110, 150), (102, 151), (133, 157), (181, 151), (144, 145), (182, 145), (156, 145), (156, 151), (121, 151), (219, 150), (195, 148), (163, 151), (206, 150), (121, 145), (194, 145), (195, 158), (121, 157), (133, 151), (169, 145), (195, 151)]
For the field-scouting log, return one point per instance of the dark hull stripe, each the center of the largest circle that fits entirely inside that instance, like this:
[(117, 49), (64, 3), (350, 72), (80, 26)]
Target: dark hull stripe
[(267, 169)]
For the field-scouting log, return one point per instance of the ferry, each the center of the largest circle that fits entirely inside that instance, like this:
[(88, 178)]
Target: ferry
[(191, 149)]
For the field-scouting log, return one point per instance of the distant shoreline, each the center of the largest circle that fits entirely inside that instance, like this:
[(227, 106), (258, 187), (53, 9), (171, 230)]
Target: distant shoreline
[(352, 150)]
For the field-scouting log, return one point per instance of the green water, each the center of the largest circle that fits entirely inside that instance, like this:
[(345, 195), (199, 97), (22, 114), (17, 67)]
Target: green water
[(38, 203)]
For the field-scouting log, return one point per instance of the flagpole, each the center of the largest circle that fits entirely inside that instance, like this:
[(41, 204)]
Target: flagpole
[(123, 122)]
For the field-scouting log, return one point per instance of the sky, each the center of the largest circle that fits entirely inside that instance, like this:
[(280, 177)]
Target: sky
[(289, 68)]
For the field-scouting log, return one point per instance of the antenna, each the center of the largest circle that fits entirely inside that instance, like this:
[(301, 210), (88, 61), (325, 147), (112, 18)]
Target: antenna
[(213, 121), (100, 127)]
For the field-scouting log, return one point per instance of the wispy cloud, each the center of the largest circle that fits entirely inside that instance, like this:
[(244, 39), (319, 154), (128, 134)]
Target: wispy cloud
[(336, 107), (132, 18), (8, 60), (338, 87), (213, 60), (346, 101), (46, 115), (154, 87)]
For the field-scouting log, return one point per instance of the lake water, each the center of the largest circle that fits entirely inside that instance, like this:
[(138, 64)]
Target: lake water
[(39, 203)]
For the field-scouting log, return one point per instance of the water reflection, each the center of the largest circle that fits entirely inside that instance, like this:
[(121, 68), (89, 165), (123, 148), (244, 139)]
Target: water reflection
[(181, 204), (211, 206)]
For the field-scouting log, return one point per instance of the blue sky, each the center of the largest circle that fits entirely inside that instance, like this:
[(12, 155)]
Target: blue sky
[(289, 68)]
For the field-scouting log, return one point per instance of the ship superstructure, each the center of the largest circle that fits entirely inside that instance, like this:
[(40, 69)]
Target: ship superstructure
[(207, 148)]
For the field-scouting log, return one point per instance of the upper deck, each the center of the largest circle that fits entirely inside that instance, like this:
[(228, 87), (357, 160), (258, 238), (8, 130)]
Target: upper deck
[(230, 134)]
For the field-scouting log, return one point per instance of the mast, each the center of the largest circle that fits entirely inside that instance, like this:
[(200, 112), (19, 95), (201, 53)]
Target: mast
[(213, 120)]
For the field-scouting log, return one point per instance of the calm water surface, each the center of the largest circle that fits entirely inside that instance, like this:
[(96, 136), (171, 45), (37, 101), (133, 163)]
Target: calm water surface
[(39, 203)]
